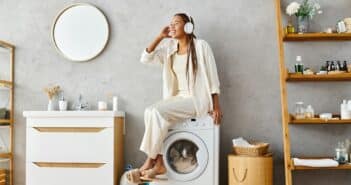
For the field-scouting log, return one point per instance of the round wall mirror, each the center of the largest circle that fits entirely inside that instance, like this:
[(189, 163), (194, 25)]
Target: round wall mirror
[(80, 32)]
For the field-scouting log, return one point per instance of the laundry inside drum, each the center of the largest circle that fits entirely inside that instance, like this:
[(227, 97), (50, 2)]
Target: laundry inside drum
[(182, 156)]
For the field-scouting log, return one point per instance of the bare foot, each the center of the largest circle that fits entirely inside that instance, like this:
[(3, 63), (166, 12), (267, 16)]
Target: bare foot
[(148, 164)]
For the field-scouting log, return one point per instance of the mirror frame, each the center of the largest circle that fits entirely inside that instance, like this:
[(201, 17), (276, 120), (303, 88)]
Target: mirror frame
[(62, 12)]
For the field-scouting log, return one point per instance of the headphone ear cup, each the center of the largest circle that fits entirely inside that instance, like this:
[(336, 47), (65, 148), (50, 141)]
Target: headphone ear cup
[(188, 28)]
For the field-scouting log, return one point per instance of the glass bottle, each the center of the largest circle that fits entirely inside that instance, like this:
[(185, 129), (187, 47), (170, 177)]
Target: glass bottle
[(344, 66), (299, 110), (299, 67), (332, 66), (309, 113)]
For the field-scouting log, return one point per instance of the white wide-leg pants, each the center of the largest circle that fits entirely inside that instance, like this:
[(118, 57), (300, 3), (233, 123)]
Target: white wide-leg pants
[(159, 117)]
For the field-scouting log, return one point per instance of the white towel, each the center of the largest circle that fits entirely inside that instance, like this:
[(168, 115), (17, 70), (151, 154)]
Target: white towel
[(241, 142), (315, 162)]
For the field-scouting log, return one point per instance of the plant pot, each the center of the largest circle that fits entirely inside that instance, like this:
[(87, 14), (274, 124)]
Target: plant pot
[(51, 106), (303, 24)]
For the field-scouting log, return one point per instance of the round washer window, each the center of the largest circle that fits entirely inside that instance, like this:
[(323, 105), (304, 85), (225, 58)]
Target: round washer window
[(185, 156)]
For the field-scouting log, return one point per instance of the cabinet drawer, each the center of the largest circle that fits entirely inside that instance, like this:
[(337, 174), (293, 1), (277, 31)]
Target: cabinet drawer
[(70, 144), (75, 121), (74, 174)]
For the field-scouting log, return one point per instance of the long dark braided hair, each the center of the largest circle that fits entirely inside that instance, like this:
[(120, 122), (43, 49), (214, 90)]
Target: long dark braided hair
[(191, 51)]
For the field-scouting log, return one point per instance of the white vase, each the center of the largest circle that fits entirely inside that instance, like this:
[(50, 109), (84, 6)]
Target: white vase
[(50, 105)]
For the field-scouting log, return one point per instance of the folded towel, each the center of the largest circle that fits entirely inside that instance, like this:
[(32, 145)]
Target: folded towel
[(241, 142), (315, 162)]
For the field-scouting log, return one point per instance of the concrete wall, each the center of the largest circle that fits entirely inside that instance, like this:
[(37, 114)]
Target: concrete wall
[(242, 35)]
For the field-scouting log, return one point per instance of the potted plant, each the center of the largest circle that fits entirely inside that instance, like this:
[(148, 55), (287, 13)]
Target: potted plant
[(51, 92), (304, 13)]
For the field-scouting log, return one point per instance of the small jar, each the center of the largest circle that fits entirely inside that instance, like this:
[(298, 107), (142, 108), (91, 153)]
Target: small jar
[(309, 113), (341, 154), (299, 110)]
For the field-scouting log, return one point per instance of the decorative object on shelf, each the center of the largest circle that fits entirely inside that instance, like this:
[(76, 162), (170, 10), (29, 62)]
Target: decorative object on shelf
[(326, 116), (299, 67), (80, 105), (308, 71), (3, 147), (348, 24), (299, 110), (309, 113), (62, 102), (3, 112), (304, 13), (341, 27), (328, 30), (102, 106), (345, 113), (323, 71), (51, 92), (115, 103), (80, 32), (341, 154)]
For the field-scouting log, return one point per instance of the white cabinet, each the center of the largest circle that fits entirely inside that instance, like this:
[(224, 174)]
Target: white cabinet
[(74, 148)]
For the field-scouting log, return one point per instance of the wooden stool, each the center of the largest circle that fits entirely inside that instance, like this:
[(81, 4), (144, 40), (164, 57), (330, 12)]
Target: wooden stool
[(247, 170)]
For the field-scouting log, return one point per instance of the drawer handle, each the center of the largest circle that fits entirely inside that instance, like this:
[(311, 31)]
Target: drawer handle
[(69, 129), (68, 165), (236, 177)]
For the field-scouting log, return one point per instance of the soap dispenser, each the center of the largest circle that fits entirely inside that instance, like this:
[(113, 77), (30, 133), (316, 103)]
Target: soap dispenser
[(344, 111)]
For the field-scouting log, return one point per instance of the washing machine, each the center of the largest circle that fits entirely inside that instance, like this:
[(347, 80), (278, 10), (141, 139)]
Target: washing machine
[(191, 153)]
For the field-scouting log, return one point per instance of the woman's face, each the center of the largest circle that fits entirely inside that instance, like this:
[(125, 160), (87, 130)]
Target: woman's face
[(177, 27)]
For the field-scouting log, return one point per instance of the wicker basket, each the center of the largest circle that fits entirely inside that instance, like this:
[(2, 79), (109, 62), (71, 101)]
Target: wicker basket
[(259, 149)]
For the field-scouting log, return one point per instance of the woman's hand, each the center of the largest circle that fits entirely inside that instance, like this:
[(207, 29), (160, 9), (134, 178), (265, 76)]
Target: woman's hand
[(216, 113), (165, 32)]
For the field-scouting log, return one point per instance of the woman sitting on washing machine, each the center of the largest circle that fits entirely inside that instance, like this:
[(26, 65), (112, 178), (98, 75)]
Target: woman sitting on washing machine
[(190, 89)]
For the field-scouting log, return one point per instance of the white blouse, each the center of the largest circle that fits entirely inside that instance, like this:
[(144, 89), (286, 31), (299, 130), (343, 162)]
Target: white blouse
[(207, 82)]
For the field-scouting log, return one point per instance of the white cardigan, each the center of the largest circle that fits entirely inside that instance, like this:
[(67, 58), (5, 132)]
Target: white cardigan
[(207, 82)]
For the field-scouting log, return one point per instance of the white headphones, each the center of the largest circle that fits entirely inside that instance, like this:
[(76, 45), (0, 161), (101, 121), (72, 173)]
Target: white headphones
[(189, 26)]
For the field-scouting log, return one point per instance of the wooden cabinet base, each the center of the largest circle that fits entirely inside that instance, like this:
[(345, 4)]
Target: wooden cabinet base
[(246, 170)]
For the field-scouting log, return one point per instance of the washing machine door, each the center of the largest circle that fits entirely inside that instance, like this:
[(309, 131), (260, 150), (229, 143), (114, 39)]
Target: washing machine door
[(185, 156)]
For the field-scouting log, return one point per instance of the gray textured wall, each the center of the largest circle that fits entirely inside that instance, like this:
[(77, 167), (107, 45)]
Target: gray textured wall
[(243, 37)]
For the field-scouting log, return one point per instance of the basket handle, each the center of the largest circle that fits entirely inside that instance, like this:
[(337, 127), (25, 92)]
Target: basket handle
[(236, 177)]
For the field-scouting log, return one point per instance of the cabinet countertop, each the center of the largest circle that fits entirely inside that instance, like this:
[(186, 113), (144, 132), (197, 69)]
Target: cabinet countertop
[(73, 114)]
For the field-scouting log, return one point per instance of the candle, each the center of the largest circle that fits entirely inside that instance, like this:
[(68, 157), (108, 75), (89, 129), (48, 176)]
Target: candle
[(102, 105)]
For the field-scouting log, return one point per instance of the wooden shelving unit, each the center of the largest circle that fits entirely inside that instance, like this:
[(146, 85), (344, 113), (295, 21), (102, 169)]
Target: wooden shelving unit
[(286, 77), (9, 84)]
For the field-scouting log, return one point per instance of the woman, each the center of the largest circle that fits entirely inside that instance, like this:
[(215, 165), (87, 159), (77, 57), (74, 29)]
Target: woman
[(190, 89)]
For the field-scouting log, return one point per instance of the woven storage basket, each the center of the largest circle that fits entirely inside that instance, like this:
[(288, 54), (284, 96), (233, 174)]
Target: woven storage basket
[(259, 149)]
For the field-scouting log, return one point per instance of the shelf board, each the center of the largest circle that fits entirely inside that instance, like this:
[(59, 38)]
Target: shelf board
[(317, 37), (6, 155), (317, 120), (5, 122), (293, 77), (340, 167), (5, 83)]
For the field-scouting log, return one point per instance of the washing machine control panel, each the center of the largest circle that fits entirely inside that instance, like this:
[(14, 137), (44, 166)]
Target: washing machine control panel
[(196, 123)]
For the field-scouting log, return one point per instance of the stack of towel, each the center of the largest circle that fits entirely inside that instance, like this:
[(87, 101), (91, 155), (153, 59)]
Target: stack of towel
[(315, 162)]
